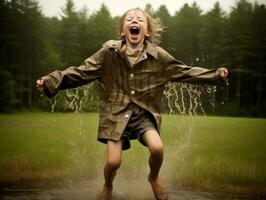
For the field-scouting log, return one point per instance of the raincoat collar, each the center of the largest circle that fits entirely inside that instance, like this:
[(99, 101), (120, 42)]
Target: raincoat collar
[(117, 44)]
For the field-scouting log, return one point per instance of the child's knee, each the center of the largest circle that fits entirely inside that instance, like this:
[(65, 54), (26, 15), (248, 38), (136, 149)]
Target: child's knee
[(113, 163), (157, 150)]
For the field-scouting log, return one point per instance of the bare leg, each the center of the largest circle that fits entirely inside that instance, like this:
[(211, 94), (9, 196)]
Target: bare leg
[(113, 162), (155, 145)]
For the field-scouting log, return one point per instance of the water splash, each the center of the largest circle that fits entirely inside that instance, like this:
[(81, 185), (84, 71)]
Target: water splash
[(188, 99), (53, 104), (178, 99), (82, 99), (184, 101)]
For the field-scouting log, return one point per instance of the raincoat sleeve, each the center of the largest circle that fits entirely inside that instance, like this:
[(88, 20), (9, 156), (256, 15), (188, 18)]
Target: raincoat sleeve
[(72, 77), (177, 71)]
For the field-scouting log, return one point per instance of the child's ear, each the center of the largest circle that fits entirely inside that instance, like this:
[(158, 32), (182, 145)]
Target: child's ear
[(147, 34)]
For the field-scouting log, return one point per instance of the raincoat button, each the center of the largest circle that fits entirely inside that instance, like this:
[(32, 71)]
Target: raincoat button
[(132, 92), (131, 75), (126, 115)]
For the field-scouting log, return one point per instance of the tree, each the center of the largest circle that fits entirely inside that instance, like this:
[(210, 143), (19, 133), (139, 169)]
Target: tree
[(102, 28), (239, 41), (149, 9), (23, 46), (69, 35), (83, 33), (187, 27), (212, 32), (168, 34), (259, 63), (7, 90)]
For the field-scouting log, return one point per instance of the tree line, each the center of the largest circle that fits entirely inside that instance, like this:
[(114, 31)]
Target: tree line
[(32, 45)]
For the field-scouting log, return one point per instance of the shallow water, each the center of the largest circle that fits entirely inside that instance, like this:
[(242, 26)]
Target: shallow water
[(124, 190)]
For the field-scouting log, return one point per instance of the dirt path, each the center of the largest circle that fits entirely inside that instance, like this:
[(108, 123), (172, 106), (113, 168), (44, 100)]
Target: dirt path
[(125, 190)]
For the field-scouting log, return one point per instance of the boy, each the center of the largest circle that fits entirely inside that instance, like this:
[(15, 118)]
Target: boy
[(132, 73)]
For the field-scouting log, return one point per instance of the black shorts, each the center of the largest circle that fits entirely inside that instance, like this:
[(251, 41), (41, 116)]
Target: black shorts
[(139, 122)]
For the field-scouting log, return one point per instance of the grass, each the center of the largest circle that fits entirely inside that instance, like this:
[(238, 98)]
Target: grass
[(218, 153), (214, 153)]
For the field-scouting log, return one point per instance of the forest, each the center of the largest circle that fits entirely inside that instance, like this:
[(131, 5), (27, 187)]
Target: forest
[(32, 45)]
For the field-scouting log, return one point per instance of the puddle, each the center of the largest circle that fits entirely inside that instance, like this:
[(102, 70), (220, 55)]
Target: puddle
[(124, 190)]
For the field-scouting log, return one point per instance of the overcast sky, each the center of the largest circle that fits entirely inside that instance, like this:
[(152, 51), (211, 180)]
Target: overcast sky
[(118, 7)]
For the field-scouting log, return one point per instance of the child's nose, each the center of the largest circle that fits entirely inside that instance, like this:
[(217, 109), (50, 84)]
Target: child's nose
[(135, 21)]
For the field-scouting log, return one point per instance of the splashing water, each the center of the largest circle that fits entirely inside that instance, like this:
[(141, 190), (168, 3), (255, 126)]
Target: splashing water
[(80, 99), (188, 99), (185, 100), (53, 104), (178, 99)]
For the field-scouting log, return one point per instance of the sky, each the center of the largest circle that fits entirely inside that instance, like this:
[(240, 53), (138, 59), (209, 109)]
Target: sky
[(118, 7)]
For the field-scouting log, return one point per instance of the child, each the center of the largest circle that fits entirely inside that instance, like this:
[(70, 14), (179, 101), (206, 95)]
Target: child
[(132, 73)]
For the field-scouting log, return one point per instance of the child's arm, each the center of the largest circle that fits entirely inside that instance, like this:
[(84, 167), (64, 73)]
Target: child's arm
[(179, 72), (72, 77)]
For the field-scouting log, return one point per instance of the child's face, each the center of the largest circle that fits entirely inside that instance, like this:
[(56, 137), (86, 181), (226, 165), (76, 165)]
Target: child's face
[(135, 27)]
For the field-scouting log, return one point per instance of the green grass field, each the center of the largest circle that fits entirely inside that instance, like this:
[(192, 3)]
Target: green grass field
[(213, 153)]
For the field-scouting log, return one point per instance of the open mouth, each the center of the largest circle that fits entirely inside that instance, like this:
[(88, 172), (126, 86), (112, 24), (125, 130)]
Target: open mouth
[(134, 30)]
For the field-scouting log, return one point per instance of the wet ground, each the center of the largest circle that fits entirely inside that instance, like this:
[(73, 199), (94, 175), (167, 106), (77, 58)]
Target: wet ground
[(125, 190)]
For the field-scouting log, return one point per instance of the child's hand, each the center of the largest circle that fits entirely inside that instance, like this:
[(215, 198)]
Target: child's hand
[(40, 85), (222, 72)]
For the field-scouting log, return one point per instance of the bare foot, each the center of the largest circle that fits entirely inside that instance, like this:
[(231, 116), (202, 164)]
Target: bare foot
[(159, 191), (106, 194)]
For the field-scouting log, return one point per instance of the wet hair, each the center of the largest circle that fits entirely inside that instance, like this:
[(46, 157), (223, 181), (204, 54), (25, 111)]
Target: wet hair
[(155, 26)]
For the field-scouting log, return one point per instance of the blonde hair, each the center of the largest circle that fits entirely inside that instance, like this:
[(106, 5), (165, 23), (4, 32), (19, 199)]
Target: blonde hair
[(155, 26)]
